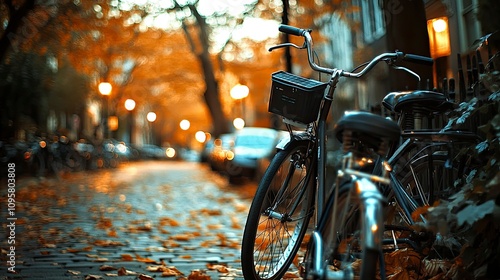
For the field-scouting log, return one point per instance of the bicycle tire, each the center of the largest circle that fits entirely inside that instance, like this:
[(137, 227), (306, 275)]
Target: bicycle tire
[(344, 249), (425, 179), (274, 232)]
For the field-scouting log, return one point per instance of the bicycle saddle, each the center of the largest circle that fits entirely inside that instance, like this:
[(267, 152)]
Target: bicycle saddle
[(423, 100), (368, 124)]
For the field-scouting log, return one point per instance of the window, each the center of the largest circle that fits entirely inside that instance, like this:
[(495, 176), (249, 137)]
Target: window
[(373, 20), (471, 27)]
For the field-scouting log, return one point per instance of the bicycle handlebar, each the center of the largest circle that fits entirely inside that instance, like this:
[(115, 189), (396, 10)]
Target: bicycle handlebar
[(418, 59), (393, 57), (292, 30)]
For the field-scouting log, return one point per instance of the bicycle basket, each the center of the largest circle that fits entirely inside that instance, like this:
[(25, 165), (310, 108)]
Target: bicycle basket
[(295, 98)]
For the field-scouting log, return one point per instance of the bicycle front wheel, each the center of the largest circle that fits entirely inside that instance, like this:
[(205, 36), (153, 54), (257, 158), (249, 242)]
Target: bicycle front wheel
[(279, 215)]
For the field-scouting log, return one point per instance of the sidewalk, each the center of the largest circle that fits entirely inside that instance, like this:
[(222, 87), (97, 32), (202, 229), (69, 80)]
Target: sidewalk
[(141, 221)]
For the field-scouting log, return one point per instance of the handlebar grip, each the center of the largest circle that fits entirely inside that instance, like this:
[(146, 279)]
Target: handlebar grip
[(418, 59), (291, 30)]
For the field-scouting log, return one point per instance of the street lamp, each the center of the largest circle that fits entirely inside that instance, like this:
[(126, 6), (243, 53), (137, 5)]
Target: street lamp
[(200, 136), (240, 92), (239, 123), (185, 125), (105, 90), (151, 117), (130, 106)]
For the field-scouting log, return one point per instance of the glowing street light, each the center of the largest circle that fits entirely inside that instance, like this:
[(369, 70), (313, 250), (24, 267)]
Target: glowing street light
[(105, 88), (151, 117), (130, 106), (239, 123), (239, 92), (105, 91), (185, 124), (200, 136)]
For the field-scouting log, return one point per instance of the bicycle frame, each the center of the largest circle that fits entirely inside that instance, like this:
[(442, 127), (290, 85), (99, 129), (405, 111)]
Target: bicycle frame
[(315, 134), (316, 131)]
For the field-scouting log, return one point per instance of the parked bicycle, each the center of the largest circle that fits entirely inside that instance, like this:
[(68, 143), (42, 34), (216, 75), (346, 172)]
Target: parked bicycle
[(426, 167), (294, 185)]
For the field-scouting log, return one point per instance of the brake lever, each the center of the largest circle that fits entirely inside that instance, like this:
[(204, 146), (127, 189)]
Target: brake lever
[(396, 67), (286, 45)]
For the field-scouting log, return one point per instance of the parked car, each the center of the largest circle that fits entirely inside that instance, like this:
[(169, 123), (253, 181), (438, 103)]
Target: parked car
[(251, 144), (263, 162)]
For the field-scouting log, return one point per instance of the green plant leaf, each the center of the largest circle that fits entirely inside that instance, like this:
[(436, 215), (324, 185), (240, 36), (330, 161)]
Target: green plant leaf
[(473, 213)]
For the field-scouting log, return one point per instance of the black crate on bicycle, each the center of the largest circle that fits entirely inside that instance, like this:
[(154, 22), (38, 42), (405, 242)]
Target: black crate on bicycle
[(295, 98)]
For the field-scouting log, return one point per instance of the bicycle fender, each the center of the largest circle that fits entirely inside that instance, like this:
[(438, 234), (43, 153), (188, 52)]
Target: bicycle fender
[(372, 204), (285, 141)]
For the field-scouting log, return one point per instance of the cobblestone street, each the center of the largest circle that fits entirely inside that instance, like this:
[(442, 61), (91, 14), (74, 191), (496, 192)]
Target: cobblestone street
[(140, 221)]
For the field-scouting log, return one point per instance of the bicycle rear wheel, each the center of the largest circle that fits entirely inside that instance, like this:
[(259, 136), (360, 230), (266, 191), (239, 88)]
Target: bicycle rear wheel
[(424, 179), (344, 251), (279, 215)]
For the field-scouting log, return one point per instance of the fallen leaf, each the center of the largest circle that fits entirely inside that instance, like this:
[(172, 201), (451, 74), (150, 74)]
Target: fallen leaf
[(122, 271), (105, 267), (145, 277), (291, 275), (145, 260), (198, 275), (166, 221), (104, 223), (219, 267), (171, 271), (215, 226), (74, 272), (235, 223), (127, 257), (211, 212), (108, 243), (182, 237), (112, 233), (93, 277)]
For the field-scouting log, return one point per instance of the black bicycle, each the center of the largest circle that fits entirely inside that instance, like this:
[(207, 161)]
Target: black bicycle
[(294, 187)]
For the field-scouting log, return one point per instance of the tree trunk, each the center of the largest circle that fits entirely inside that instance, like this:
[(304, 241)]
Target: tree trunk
[(15, 21), (211, 96), (406, 26)]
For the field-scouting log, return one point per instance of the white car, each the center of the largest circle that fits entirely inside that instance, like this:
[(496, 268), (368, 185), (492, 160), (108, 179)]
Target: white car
[(251, 144)]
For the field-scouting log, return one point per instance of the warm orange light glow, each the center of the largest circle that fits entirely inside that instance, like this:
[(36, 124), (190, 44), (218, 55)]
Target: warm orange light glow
[(113, 123), (239, 123), (439, 37), (200, 136), (185, 124), (439, 25), (170, 152), (239, 91), (129, 104), (105, 88), (151, 116)]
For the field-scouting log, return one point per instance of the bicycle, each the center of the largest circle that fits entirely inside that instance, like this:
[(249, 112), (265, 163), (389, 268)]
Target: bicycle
[(293, 187), (430, 162)]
